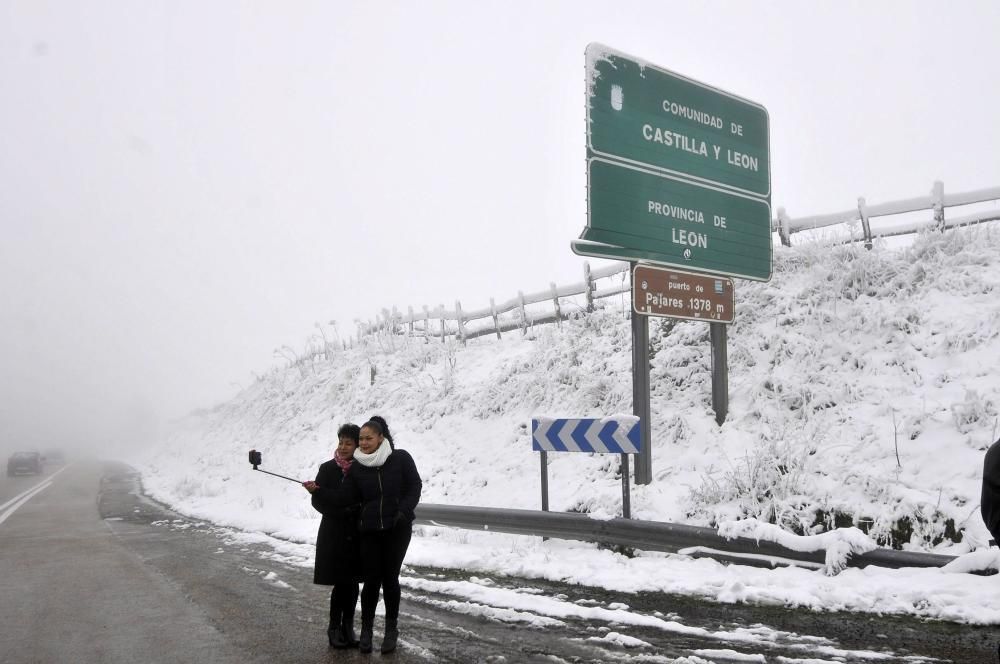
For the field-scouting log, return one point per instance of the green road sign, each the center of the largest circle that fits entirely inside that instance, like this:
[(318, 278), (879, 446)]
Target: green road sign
[(678, 172), (648, 116), (640, 215)]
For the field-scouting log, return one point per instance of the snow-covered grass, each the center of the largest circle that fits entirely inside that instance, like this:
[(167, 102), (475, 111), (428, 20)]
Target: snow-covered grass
[(863, 392)]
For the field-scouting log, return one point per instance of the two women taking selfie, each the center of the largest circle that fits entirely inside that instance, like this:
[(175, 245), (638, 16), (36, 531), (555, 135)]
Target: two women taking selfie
[(367, 496)]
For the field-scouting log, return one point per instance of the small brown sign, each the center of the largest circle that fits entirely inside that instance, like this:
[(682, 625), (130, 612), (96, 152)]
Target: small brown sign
[(658, 291)]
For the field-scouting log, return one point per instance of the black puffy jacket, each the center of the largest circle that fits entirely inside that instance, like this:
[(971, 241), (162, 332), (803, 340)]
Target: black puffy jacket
[(990, 503), (387, 493)]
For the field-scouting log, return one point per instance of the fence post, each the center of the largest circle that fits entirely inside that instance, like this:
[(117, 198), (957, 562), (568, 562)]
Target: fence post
[(524, 314), (410, 327), (496, 319), (461, 327), (588, 287), (443, 329), (865, 226), (784, 232), (427, 325), (938, 193), (555, 302)]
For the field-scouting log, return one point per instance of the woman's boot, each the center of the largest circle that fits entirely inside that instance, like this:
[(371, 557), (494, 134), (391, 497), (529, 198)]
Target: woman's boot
[(335, 632), (391, 635), (367, 627), (347, 629)]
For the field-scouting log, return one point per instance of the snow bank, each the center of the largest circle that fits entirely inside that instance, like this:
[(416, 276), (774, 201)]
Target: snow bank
[(839, 544)]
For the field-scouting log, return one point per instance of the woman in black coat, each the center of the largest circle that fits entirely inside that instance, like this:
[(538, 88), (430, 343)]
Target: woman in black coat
[(386, 482), (337, 544), (989, 505)]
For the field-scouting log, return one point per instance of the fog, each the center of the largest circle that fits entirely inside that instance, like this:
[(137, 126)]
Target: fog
[(187, 187)]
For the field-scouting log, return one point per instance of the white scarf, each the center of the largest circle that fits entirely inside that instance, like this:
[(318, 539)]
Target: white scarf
[(376, 458)]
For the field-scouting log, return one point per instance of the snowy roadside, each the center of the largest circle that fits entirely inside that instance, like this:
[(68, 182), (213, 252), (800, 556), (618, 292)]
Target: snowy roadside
[(931, 593), (863, 393)]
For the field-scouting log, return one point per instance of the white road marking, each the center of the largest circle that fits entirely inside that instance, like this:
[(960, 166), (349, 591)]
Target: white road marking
[(13, 508), (23, 497)]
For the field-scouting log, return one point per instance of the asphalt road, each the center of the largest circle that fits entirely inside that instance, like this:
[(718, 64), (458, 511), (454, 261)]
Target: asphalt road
[(93, 571), (72, 593)]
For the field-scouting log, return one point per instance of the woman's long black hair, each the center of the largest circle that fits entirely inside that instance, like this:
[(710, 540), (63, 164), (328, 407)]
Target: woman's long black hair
[(378, 423)]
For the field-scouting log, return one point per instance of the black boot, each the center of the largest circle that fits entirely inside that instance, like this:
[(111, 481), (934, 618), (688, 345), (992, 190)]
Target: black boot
[(335, 632), (391, 636), (347, 629), (367, 627), (336, 636)]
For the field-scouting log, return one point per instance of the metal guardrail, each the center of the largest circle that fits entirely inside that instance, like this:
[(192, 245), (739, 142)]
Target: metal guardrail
[(696, 541)]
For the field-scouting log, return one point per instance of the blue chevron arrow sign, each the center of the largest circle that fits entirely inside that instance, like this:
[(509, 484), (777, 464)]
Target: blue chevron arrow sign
[(606, 435)]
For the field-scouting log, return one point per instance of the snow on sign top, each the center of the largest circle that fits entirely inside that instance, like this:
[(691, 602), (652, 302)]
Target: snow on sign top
[(645, 115)]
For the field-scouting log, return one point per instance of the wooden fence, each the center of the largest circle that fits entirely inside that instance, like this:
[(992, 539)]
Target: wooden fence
[(937, 202), (499, 318), (515, 315)]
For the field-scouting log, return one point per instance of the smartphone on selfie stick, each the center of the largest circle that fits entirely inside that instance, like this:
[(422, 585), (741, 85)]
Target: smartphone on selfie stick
[(255, 460)]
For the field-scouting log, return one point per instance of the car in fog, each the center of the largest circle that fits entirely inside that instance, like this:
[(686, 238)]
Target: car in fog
[(24, 462)]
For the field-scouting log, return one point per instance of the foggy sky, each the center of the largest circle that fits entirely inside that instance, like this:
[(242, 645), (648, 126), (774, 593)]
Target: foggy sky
[(185, 187)]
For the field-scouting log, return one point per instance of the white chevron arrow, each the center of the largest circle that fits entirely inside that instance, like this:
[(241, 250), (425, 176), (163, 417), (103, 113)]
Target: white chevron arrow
[(566, 435), (621, 436), (592, 436), (541, 434)]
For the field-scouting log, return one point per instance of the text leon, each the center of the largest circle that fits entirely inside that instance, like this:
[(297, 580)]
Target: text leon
[(681, 236)]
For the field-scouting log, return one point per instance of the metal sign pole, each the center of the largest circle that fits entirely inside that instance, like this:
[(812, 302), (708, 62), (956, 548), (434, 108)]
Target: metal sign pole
[(640, 394), (720, 372), (626, 499), (543, 455)]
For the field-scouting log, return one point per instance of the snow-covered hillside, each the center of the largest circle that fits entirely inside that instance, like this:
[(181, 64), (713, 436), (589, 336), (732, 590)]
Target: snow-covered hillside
[(863, 390)]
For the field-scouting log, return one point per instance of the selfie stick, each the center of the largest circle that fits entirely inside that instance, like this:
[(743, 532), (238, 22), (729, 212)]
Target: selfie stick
[(255, 460)]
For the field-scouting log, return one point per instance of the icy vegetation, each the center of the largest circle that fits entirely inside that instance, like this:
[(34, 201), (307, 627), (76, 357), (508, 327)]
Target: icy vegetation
[(864, 388)]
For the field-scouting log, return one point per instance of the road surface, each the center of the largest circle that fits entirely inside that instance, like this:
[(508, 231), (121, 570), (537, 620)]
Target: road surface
[(93, 571)]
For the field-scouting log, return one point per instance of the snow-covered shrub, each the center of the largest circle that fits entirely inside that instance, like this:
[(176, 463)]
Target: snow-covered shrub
[(767, 483), (974, 411)]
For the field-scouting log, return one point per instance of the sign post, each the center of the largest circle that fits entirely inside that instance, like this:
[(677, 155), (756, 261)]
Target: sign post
[(678, 175), (720, 372), (620, 435), (640, 396)]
